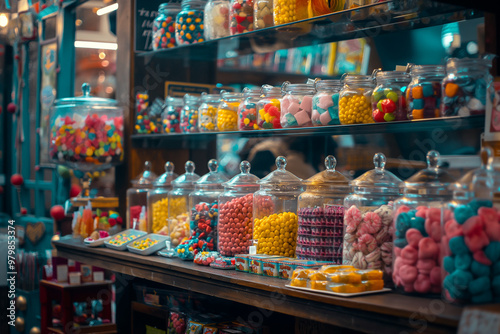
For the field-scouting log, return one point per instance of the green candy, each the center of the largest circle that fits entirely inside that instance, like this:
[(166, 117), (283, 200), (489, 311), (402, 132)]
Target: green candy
[(393, 96)]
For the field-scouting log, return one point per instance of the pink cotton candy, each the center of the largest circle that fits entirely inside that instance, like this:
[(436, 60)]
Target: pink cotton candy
[(325, 101), (408, 288), (397, 264), (480, 257), (373, 221), (408, 274), (434, 214), (302, 118), (352, 219), (492, 229), (428, 249), (433, 229), (325, 118), (477, 241), (425, 266), (453, 229), (402, 208), (488, 214), (409, 255), (435, 276), (422, 284), (397, 279), (473, 225), (306, 104), (422, 212), (413, 237), (436, 288), (397, 251)]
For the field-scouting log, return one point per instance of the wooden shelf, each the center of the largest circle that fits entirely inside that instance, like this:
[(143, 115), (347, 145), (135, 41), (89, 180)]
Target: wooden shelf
[(382, 313)]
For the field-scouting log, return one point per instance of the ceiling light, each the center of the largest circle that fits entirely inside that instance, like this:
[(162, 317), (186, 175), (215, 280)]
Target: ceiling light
[(107, 9), (4, 20), (96, 45)]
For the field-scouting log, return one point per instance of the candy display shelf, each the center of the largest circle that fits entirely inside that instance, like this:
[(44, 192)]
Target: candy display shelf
[(187, 140), (334, 27)]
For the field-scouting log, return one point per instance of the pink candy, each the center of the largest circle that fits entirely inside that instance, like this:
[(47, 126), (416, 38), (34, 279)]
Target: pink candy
[(453, 229), (408, 274), (325, 101), (480, 257), (477, 241), (422, 284), (352, 219), (413, 237), (372, 222), (409, 255), (367, 243), (428, 249)]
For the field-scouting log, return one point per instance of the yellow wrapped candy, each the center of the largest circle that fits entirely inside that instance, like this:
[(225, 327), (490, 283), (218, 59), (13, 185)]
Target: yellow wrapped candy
[(373, 285)]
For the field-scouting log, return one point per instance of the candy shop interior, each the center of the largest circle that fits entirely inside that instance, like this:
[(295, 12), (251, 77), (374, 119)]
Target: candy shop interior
[(249, 166)]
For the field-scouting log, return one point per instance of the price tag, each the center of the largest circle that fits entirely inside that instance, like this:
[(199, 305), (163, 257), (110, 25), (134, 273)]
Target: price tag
[(481, 320)]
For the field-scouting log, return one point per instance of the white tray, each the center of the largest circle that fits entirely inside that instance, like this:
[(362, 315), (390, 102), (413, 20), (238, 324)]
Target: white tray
[(123, 246), (339, 294), (152, 249), (96, 243)]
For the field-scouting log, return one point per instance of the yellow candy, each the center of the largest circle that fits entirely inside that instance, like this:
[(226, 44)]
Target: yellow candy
[(355, 109), (271, 241)]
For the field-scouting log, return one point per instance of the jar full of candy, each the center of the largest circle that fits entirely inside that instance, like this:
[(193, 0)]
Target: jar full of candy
[(296, 105), (269, 108), (207, 118), (321, 215), (172, 115), (137, 199), (471, 238), (216, 19), (388, 98), (325, 103), (247, 111), (241, 16), (466, 87), (164, 25), (423, 96), (275, 212), (368, 219), (227, 112), (189, 25), (158, 200), (189, 114), (418, 217), (355, 99), (286, 11), (323, 7), (236, 213), (178, 204), (263, 14)]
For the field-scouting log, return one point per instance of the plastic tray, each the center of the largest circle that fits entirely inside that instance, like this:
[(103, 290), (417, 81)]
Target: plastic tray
[(152, 249), (123, 246), (96, 243), (339, 294)]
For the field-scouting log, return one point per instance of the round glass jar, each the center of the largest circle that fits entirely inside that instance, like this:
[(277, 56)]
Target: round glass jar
[(137, 199), (296, 105), (227, 112), (263, 14), (158, 201), (236, 213), (269, 107), (216, 19), (164, 25), (418, 217), (275, 212), (355, 99), (172, 115), (247, 110), (286, 11), (190, 113), (388, 97), (178, 204), (325, 103), (368, 219), (207, 119), (189, 25), (423, 96), (240, 16), (321, 215)]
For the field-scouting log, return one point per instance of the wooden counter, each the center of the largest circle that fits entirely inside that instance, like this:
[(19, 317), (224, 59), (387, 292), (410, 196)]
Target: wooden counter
[(379, 313)]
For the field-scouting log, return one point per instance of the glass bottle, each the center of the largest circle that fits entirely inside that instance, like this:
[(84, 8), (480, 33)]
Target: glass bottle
[(325, 103), (388, 97), (423, 96), (247, 110), (296, 105), (216, 19), (207, 120), (269, 107), (227, 112), (158, 200), (355, 99), (164, 25), (263, 14), (189, 114), (240, 16), (189, 25), (137, 199), (286, 11), (172, 115)]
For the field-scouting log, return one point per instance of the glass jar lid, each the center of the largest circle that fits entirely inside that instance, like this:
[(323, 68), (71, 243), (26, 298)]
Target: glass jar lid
[(480, 182), (86, 99), (213, 178), (146, 178), (356, 79), (378, 180), (322, 85), (187, 179), (230, 96), (281, 176), (243, 179), (165, 179), (175, 101), (329, 179), (252, 92), (214, 98), (307, 88), (269, 90), (438, 70), (430, 181), (191, 99), (399, 76)]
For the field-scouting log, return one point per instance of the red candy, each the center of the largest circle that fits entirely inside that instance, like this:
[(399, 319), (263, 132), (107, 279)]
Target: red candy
[(235, 226)]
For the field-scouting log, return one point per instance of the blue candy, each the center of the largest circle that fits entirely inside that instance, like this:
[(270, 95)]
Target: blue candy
[(480, 91), (496, 268), (457, 284), (427, 89), (400, 242), (458, 246), (479, 269), (419, 224), (462, 213), (477, 203), (492, 251), (485, 297), (290, 120), (449, 264), (479, 285), (403, 223), (463, 261), (495, 283), (418, 104)]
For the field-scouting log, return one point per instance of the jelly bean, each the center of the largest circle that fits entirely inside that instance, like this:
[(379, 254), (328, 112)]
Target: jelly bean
[(144, 243), (247, 116), (122, 238), (355, 109), (276, 234), (235, 226), (189, 119), (241, 16), (189, 26), (390, 102)]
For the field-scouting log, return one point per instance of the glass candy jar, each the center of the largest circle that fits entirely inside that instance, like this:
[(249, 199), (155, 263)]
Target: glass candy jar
[(137, 199), (263, 14), (296, 105), (189, 114), (227, 112), (355, 99), (178, 204), (247, 110), (323, 7), (172, 115), (158, 200), (325, 103), (388, 98), (207, 119), (418, 218), (321, 215), (286, 11), (189, 25), (275, 212), (368, 219), (164, 25), (269, 107), (423, 96), (216, 19), (240, 16), (236, 213)]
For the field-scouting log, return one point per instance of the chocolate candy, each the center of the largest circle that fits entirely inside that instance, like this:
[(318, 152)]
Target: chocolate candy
[(263, 14), (217, 19), (276, 234), (235, 226), (241, 16), (189, 27)]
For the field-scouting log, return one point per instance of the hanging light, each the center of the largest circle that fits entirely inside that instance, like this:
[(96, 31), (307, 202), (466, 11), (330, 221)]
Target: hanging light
[(4, 20), (107, 9)]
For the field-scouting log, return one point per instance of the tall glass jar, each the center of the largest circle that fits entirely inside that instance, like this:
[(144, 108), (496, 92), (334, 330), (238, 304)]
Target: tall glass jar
[(471, 238), (236, 212), (296, 105), (388, 98), (286, 11), (137, 199), (178, 204), (263, 14), (325, 103), (321, 215), (423, 96), (172, 115), (417, 229), (275, 212), (269, 107), (189, 25), (466, 87), (164, 25), (217, 19), (189, 114), (227, 112), (247, 111), (207, 120), (158, 200), (368, 219), (240, 16), (355, 99)]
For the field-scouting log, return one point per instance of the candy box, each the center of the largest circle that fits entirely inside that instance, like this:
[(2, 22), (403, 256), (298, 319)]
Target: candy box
[(176, 323), (223, 263), (194, 327), (148, 244), (242, 262), (287, 267), (270, 267), (121, 240), (256, 263)]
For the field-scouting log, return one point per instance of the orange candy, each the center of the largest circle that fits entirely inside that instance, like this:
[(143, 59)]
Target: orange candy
[(417, 113), (417, 92), (451, 89)]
